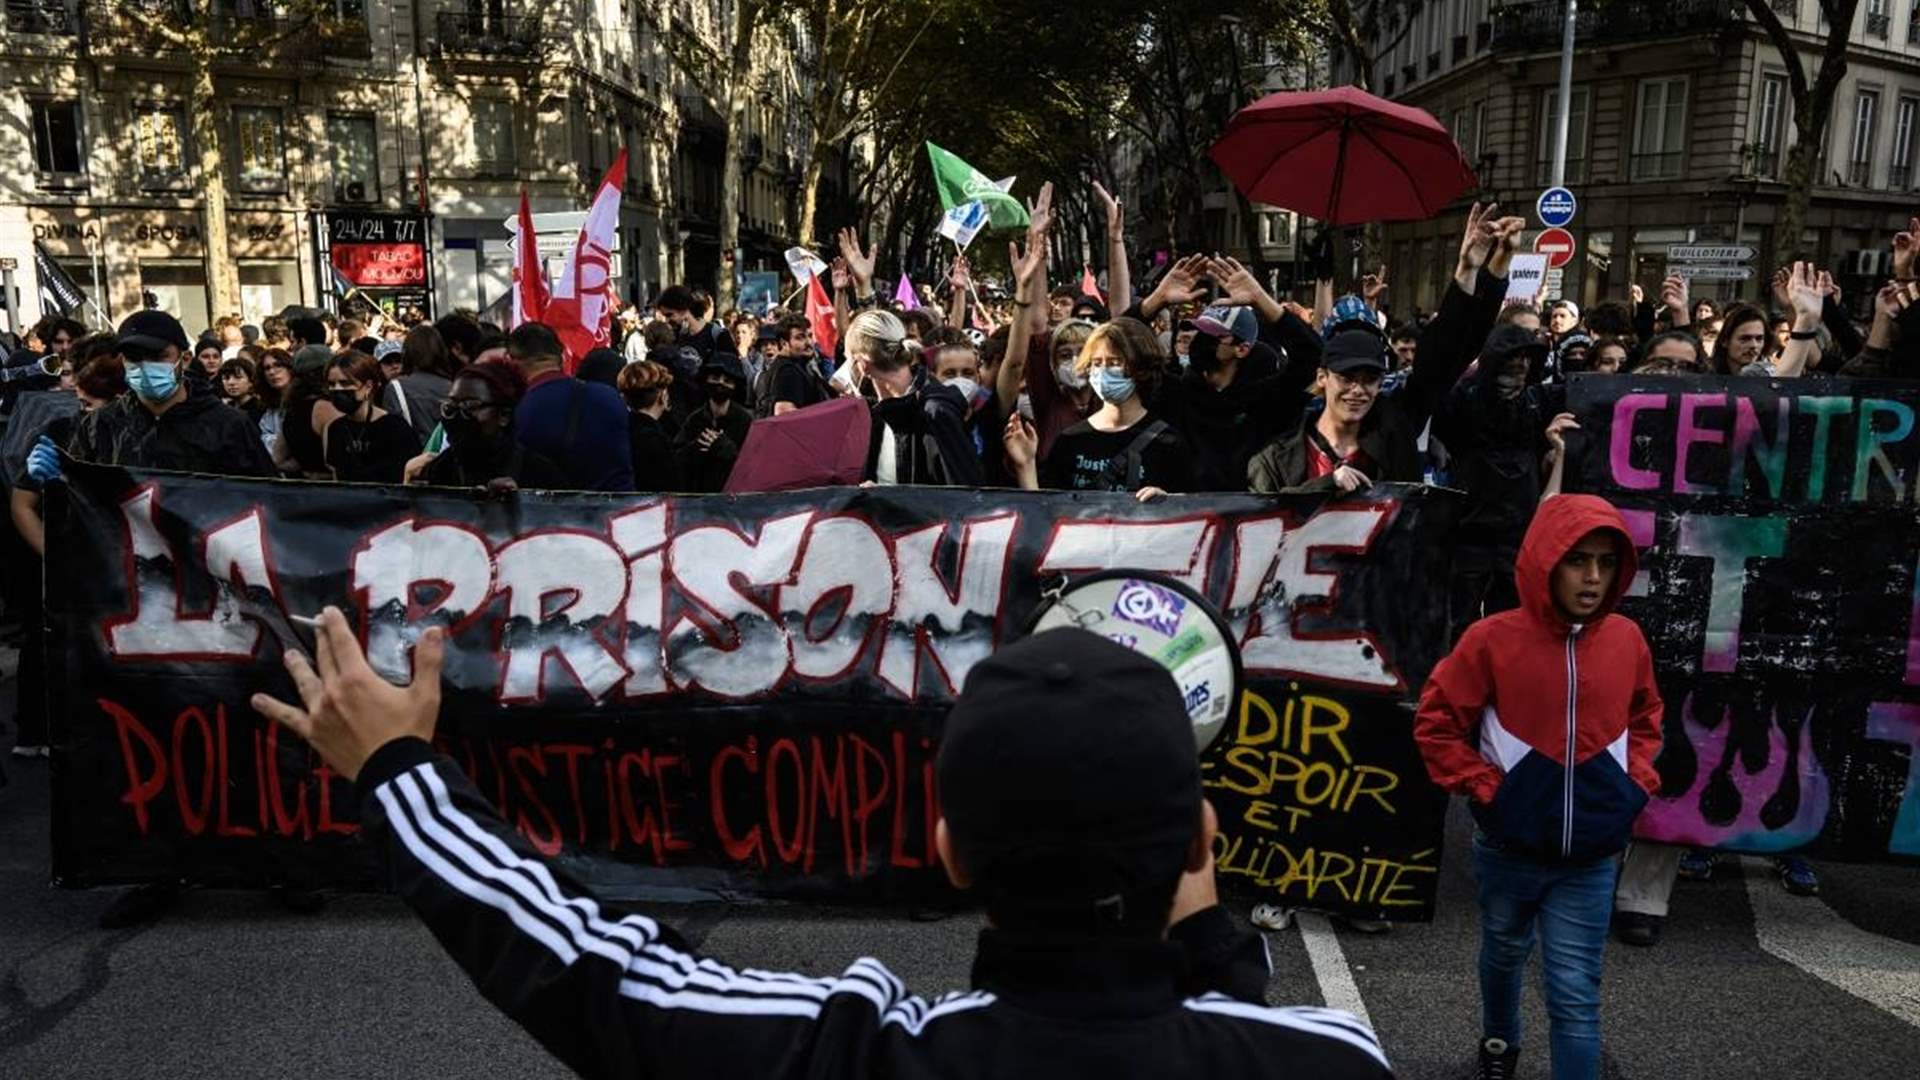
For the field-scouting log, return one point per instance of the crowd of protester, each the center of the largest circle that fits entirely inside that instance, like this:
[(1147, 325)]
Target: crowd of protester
[(1204, 383)]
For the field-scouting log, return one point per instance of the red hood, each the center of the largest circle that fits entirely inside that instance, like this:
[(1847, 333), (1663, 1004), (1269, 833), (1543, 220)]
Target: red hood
[(1559, 524)]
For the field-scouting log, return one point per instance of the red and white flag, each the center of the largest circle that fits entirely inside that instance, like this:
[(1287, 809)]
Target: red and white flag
[(820, 316), (530, 292), (581, 310), (1091, 287)]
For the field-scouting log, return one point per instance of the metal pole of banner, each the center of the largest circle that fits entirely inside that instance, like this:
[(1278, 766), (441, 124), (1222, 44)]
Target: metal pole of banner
[(1566, 98), (13, 299)]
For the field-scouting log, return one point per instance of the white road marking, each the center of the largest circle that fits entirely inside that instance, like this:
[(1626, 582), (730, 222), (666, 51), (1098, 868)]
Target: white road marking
[(1330, 969), (1807, 933)]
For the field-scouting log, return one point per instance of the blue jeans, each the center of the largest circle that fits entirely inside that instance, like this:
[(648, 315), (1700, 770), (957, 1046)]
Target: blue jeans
[(1568, 905)]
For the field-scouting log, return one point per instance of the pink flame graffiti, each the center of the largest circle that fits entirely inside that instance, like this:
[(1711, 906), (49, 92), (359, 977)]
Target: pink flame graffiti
[(1678, 821)]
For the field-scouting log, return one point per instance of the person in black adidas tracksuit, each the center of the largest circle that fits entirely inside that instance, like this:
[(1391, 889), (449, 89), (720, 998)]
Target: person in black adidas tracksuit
[(1083, 861)]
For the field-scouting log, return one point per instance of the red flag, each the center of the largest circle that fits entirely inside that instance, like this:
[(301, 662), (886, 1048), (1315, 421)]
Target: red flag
[(530, 292), (581, 310), (820, 314), (1091, 287)]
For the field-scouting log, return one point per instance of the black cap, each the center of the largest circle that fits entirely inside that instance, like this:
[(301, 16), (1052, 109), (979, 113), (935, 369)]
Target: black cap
[(152, 331), (768, 333), (1354, 350), (1508, 340), (1068, 779), (726, 364)]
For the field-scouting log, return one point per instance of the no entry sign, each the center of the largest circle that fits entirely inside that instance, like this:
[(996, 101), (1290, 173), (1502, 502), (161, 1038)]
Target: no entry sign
[(1556, 245)]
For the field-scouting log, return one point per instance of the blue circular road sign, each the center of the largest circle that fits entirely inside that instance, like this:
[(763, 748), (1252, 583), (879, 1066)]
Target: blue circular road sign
[(1555, 207)]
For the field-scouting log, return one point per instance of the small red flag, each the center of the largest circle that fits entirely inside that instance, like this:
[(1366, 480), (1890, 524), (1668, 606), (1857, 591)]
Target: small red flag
[(820, 314)]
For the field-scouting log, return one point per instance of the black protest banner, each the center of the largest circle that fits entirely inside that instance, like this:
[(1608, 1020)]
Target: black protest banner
[(711, 695), (1779, 536)]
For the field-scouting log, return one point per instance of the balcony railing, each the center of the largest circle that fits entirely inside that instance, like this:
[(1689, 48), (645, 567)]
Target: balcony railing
[(504, 37), (1576, 171), (127, 27), (41, 17), (1789, 8), (1913, 27), (1860, 173), (1766, 162), (1900, 177), (1878, 25), (1536, 24)]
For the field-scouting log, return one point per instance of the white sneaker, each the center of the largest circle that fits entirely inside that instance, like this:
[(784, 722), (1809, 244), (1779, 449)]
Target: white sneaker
[(1271, 917)]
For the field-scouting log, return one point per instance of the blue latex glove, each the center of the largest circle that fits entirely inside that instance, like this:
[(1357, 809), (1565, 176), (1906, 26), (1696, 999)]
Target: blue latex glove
[(43, 462)]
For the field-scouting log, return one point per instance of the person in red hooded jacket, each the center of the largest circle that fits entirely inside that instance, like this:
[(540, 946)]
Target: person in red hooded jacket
[(1547, 718)]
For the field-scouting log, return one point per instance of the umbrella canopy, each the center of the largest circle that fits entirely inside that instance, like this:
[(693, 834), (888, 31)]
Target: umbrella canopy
[(1343, 156), (819, 446)]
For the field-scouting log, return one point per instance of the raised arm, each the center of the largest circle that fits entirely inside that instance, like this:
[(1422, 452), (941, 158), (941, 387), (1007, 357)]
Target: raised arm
[(1119, 275), (1803, 347), (1179, 285), (959, 280), (1029, 299)]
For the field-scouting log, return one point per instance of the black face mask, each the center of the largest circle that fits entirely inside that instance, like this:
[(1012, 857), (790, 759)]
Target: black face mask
[(1203, 353), (344, 400), (717, 391)]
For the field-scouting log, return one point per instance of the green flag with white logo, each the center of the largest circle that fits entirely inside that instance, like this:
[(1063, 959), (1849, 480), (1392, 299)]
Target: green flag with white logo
[(960, 183)]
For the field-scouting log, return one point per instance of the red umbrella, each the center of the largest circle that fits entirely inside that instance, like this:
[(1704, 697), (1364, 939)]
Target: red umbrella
[(1343, 156), (818, 446)]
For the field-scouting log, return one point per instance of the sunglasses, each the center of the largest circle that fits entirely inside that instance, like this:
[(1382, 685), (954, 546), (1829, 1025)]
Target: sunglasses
[(463, 408)]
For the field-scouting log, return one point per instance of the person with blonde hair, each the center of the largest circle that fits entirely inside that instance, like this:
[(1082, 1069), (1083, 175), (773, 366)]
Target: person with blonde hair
[(1121, 447), (919, 425)]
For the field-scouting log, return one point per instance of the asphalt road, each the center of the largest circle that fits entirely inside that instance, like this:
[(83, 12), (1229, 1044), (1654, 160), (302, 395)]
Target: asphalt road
[(228, 986)]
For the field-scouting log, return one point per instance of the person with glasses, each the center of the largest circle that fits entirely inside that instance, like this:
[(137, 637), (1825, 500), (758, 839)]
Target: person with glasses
[(276, 378), (365, 443), (481, 448)]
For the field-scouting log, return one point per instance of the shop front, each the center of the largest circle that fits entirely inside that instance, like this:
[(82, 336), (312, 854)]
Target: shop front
[(377, 259)]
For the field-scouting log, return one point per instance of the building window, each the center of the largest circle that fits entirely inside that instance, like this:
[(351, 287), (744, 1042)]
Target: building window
[(356, 174), (1900, 172), (493, 135), (1276, 228), (1660, 124), (1576, 134), (1767, 125), (1479, 148), (1866, 110), (1878, 21), (159, 132), (59, 150), (259, 149)]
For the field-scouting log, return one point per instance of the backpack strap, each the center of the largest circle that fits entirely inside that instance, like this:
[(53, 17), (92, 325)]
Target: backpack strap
[(1137, 448)]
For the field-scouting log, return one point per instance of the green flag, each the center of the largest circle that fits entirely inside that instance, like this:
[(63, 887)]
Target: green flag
[(960, 183)]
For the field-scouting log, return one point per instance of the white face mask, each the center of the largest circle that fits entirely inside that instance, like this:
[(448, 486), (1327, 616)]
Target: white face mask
[(1069, 378), (967, 387)]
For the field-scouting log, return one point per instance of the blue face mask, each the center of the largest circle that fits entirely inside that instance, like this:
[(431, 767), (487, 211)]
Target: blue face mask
[(153, 380), (1112, 384)]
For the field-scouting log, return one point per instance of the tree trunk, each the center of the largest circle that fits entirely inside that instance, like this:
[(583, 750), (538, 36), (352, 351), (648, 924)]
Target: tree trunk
[(739, 95), (1799, 175), (223, 280), (810, 195)]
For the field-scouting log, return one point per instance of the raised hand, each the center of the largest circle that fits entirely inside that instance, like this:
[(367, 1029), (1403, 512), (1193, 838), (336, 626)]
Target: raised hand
[(1372, 285), (1022, 442), (1181, 284), (1904, 246), (1116, 220), (961, 276), (1803, 292), (1637, 294), (1040, 215), (859, 262), (1028, 266), (1827, 286), (1476, 241), (842, 277), (1506, 240), (1781, 301), (1238, 282), (347, 711), (1557, 431), (1673, 297)]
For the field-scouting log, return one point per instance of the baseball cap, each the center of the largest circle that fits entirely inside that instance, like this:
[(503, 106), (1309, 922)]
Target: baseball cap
[(1069, 782), (1228, 321), (1349, 312), (152, 331), (1510, 340), (1353, 350)]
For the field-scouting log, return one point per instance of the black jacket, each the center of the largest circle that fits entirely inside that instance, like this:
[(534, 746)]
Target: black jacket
[(707, 470), (1225, 428), (1496, 444), (655, 467), (1390, 433), (614, 994), (200, 434), (930, 438)]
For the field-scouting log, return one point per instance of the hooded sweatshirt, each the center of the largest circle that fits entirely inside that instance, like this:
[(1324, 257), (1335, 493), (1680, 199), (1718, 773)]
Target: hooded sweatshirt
[(1550, 728)]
